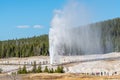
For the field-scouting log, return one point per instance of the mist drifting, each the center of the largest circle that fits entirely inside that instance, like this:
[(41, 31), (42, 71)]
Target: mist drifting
[(70, 35)]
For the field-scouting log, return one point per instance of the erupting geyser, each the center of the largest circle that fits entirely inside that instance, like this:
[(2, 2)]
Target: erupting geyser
[(69, 36)]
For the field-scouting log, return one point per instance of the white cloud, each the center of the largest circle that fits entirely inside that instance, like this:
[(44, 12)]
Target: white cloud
[(37, 26), (23, 26), (28, 26)]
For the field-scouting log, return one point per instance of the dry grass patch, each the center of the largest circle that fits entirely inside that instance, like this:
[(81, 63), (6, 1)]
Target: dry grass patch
[(57, 76)]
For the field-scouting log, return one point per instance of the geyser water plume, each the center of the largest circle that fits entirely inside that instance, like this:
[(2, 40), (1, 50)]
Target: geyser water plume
[(68, 36)]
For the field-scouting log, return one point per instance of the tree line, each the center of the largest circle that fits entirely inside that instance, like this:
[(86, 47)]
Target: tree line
[(109, 31), (38, 69), (25, 47), (110, 34)]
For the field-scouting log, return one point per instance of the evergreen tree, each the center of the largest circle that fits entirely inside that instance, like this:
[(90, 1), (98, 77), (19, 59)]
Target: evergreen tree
[(39, 70), (51, 70), (19, 70), (46, 69), (24, 71), (59, 69), (0, 70), (34, 67), (62, 69)]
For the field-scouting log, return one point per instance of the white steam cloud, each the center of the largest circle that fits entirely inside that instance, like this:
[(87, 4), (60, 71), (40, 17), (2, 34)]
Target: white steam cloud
[(73, 14), (66, 37)]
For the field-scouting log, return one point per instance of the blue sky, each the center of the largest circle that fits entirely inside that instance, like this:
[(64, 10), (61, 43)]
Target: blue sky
[(27, 18)]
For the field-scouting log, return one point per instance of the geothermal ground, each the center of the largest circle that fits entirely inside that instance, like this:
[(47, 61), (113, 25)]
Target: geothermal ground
[(100, 65)]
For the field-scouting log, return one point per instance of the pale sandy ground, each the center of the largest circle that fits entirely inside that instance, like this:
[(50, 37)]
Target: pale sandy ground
[(88, 64), (109, 63), (12, 64), (72, 64)]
